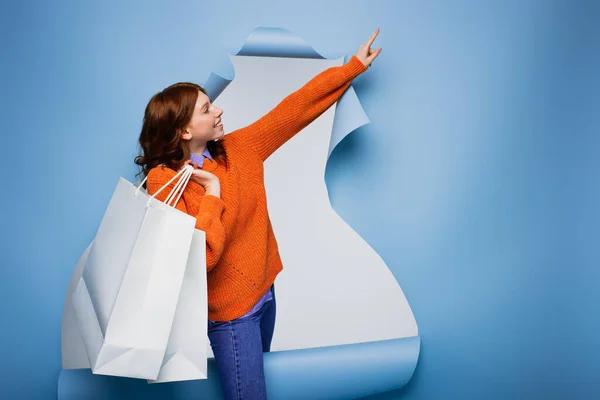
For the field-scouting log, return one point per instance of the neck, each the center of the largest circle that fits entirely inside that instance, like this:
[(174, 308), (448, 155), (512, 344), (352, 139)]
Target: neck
[(197, 148)]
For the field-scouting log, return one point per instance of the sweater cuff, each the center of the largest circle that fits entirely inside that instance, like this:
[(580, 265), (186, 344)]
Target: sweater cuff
[(212, 204), (354, 67)]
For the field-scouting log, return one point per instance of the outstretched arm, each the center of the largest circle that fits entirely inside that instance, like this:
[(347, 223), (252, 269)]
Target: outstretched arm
[(305, 105)]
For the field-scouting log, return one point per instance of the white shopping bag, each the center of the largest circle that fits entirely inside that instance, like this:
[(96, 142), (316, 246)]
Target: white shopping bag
[(126, 299), (187, 351)]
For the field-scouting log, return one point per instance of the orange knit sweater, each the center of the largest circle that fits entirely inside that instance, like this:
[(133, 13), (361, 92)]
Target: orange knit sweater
[(241, 250)]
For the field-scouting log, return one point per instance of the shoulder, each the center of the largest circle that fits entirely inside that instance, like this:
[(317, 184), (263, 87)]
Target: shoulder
[(236, 148), (230, 142), (158, 176), (160, 172)]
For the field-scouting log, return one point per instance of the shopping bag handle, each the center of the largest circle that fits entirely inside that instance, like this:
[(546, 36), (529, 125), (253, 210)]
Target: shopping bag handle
[(184, 176), (179, 187)]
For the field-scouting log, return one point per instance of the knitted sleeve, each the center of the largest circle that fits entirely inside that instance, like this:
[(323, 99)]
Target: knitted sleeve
[(210, 210), (298, 109)]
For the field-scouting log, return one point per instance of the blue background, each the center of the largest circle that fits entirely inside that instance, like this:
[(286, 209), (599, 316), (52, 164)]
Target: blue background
[(478, 181)]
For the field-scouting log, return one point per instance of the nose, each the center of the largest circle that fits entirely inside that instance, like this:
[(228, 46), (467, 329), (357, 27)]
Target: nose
[(219, 111)]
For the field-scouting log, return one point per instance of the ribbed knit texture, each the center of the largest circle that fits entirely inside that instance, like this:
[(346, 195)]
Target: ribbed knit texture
[(241, 250)]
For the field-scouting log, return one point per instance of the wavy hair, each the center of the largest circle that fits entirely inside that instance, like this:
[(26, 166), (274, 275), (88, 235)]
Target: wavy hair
[(166, 115)]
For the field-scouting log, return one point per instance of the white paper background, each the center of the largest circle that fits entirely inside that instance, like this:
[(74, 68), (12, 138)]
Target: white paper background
[(334, 288)]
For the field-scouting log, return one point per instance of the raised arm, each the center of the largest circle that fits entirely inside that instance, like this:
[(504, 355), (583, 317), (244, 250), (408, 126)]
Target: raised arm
[(208, 211), (298, 109), (305, 105)]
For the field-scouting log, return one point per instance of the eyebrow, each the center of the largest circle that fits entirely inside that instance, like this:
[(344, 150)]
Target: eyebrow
[(204, 105)]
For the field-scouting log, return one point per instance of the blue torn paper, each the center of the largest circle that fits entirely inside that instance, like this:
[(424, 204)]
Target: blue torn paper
[(336, 372)]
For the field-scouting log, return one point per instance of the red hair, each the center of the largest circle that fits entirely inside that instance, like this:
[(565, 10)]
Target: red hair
[(166, 115)]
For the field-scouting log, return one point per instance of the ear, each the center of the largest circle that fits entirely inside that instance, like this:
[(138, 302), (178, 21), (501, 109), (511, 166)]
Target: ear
[(185, 134)]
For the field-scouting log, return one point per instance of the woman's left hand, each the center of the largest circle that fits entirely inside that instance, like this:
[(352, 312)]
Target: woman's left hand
[(208, 181), (365, 53)]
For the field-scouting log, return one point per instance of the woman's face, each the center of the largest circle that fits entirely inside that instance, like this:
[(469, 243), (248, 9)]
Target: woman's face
[(205, 124)]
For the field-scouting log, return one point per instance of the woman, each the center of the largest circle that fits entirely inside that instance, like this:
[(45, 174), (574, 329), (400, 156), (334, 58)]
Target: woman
[(227, 196)]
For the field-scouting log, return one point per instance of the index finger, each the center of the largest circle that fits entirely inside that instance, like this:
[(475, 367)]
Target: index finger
[(372, 38)]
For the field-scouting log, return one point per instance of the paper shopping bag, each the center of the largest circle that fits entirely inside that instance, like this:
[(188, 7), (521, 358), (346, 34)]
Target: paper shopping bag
[(126, 299), (187, 351)]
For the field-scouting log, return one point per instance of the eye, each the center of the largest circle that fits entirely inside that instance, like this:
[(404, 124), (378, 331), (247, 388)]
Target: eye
[(206, 110)]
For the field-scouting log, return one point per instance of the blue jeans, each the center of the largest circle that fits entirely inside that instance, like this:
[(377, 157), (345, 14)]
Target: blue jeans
[(238, 346)]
